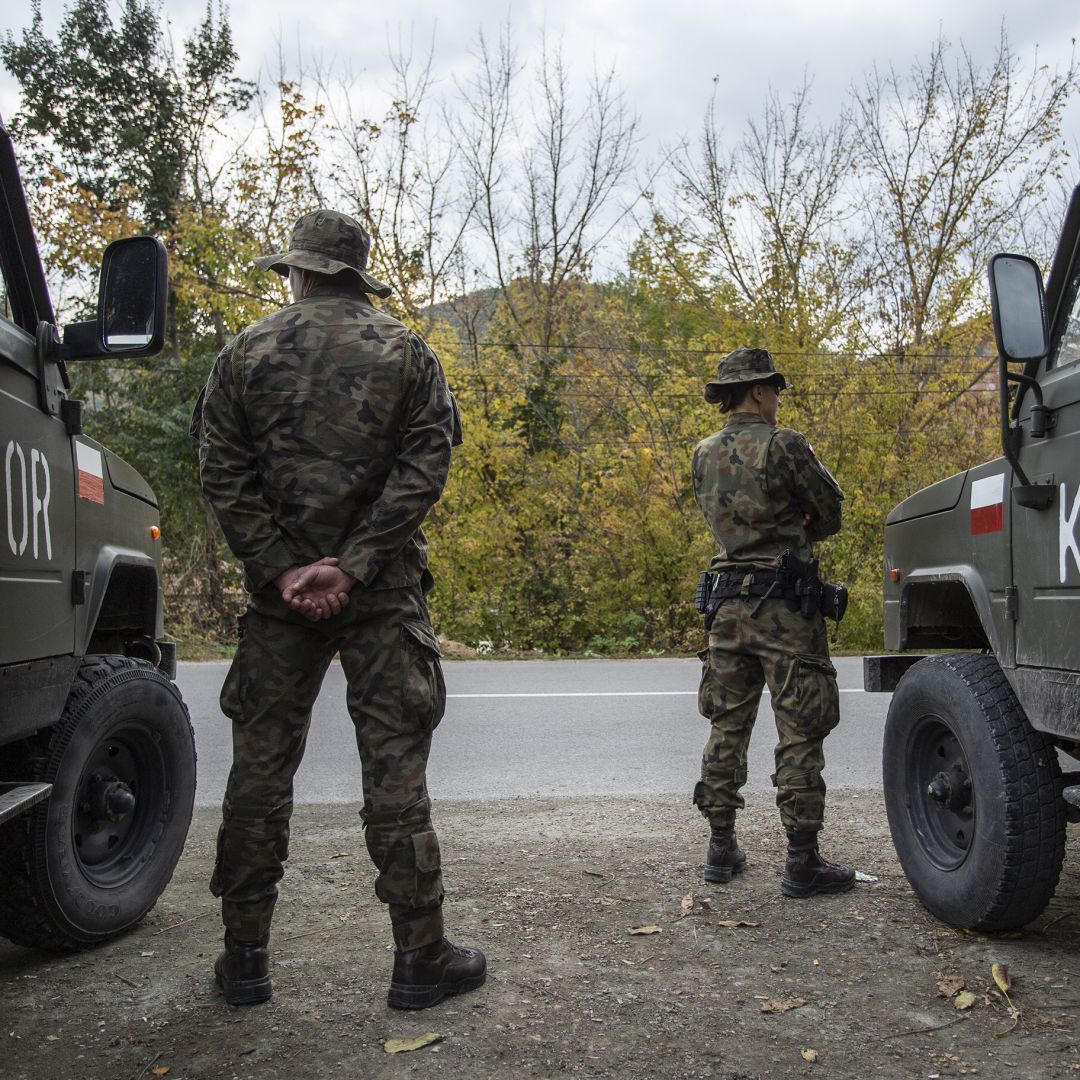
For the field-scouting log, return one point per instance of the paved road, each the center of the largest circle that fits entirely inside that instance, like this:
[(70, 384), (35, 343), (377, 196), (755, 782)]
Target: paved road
[(547, 727)]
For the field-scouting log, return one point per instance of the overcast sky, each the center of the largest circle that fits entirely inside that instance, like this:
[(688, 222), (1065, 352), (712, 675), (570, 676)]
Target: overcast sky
[(666, 54)]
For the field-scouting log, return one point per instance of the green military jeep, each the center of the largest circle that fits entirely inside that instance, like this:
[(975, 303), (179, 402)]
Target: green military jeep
[(97, 757), (988, 562)]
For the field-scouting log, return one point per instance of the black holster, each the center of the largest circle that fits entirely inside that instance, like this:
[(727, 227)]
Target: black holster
[(807, 593)]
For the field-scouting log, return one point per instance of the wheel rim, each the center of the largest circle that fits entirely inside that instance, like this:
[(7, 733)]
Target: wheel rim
[(940, 796), (122, 798)]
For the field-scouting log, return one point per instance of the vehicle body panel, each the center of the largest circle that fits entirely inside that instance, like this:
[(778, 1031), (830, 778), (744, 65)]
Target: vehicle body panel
[(1017, 564), (38, 537)]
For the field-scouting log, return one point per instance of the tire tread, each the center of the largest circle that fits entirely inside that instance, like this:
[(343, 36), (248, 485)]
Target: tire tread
[(1030, 780), (24, 913)]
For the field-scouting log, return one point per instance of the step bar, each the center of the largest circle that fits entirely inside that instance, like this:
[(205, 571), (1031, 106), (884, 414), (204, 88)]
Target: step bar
[(17, 798)]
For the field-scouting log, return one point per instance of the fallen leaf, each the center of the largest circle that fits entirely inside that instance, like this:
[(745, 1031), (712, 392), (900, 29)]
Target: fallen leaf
[(693, 905), (342, 855), (1002, 977), (783, 1006), (964, 1000), (401, 1046), (1014, 1012), (809, 1055), (733, 923), (950, 985), (161, 1070), (635, 931)]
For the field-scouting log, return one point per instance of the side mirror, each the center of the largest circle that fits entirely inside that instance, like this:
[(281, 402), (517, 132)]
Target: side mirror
[(1019, 308), (132, 298)]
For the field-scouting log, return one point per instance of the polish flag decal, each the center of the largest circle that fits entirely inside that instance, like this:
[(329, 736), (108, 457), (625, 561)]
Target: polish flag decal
[(91, 473), (988, 504)]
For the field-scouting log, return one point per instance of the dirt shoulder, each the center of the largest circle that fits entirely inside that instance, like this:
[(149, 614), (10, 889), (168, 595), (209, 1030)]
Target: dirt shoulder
[(549, 889)]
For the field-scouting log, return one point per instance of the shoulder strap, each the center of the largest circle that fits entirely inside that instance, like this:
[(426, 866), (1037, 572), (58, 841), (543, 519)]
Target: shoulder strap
[(408, 373), (236, 366), (408, 380)]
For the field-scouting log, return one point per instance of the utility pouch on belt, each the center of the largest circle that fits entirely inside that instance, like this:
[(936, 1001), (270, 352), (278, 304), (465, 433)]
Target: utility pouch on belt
[(703, 591), (834, 600)]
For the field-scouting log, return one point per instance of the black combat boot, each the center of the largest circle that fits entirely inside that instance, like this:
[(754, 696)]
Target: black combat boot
[(725, 857), (806, 873), (424, 976), (243, 971)]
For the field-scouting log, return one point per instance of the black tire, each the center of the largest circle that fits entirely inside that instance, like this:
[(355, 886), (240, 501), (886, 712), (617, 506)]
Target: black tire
[(91, 861), (973, 795)]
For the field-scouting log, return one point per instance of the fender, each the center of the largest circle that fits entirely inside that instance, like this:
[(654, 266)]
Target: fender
[(932, 614), (124, 585)]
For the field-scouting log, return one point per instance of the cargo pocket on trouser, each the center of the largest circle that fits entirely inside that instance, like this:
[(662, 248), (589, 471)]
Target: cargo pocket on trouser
[(216, 885), (816, 700), (810, 711), (423, 688), (232, 690), (706, 695), (411, 875), (252, 846)]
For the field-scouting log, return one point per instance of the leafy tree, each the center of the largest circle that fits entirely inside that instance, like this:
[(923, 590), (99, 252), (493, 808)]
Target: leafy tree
[(110, 101), (953, 157)]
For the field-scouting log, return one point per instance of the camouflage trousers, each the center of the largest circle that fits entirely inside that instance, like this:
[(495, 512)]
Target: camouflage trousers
[(790, 654), (396, 696)]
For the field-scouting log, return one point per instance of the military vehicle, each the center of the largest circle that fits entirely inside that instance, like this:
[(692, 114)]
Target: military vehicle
[(987, 563), (97, 758)]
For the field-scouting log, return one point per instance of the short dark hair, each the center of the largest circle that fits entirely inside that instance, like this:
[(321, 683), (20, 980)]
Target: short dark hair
[(733, 395)]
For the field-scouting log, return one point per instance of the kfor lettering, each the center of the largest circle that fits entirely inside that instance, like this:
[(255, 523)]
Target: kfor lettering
[(1067, 534), (28, 491)]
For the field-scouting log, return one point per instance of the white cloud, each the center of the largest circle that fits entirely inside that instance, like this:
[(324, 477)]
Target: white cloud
[(666, 54)]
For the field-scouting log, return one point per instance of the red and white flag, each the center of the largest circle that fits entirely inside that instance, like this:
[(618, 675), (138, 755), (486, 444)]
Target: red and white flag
[(91, 473), (988, 504)]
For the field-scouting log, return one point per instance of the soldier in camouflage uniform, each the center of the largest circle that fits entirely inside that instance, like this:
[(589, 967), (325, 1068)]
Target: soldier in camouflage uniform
[(325, 432), (763, 491)]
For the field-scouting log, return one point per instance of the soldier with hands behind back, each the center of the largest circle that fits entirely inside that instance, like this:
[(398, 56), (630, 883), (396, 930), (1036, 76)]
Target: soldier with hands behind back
[(766, 498), (325, 432)]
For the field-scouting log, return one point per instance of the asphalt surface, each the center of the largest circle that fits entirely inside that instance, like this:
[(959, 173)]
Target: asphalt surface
[(523, 728)]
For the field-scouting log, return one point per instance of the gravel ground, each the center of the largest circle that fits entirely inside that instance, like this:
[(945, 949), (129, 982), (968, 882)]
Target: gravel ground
[(738, 982)]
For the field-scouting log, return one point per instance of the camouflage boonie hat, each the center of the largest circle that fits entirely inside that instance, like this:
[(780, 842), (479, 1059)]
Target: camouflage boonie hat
[(743, 366), (327, 242)]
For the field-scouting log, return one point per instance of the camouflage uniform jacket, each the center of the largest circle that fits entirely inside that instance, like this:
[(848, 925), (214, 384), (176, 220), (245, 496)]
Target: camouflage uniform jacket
[(312, 444), (754, 483)]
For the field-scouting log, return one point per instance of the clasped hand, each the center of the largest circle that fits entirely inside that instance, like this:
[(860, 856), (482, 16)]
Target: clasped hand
[(319, 590)]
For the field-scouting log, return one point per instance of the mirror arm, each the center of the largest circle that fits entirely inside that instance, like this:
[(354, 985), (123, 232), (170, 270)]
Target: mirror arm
[(1025, 382), (81, 341), (1040, 414), (49, 351), (1005, 376)]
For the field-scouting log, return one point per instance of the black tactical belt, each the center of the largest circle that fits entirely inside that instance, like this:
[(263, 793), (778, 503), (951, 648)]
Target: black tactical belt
[(793, 580), (731, 584)]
